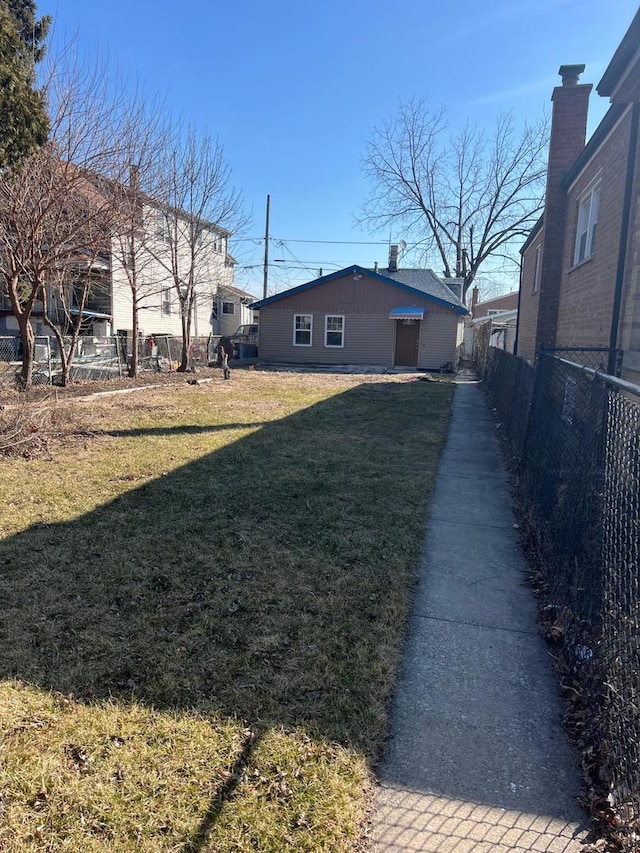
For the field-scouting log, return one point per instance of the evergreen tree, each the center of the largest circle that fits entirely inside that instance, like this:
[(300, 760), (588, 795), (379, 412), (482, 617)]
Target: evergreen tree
[(23, 117), (30, 31)]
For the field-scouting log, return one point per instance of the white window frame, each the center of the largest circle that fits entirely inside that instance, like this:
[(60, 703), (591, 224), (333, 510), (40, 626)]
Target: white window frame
[(334, 331), (166, 304), (233, 306), (295, 329), (586, 226), (537, 268), (161, 224)]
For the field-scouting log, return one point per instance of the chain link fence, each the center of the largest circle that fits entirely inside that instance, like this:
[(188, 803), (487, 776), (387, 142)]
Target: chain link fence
[(594, 357), (575, 437), (163, 353), (100, 358)]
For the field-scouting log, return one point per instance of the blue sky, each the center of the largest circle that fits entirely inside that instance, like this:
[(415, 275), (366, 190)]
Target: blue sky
[(292, 91)]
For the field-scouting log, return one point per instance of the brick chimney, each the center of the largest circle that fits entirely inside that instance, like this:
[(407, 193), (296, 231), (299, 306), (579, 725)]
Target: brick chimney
[(393, 258), (474, 300), (134, 177), (568, 133)]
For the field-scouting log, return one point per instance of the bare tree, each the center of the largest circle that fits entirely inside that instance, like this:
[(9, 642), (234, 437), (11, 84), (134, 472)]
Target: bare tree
[(58, 209), (466, 198), (198, 208), (150, 139)]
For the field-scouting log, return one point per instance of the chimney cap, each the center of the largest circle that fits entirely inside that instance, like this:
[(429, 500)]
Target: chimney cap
[(570, 74)]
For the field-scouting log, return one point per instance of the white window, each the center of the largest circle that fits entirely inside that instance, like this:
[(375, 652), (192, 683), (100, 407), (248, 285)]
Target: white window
[(334, 330), (537, 269), (228, 308), (587, 222), (162, 226), (166, 300), (302, 330)]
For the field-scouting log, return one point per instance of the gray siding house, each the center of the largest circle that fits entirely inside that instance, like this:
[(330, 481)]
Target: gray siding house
[(390, 318)]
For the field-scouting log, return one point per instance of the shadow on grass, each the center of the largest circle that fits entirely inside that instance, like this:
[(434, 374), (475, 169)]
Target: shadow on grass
[(201, 835), (179, 429), (267, 581)]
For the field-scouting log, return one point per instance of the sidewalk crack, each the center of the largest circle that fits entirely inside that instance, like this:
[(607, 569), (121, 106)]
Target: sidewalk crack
[(477, 624)]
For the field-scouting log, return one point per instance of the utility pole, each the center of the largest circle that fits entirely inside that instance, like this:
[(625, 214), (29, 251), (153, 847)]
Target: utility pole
[(266, 251)]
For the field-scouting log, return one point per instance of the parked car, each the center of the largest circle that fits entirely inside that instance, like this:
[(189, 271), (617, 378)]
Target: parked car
[(246, 331), (245, 341)]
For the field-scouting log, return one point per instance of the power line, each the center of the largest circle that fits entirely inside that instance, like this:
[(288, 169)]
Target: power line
[(326, 242), (340, 242)]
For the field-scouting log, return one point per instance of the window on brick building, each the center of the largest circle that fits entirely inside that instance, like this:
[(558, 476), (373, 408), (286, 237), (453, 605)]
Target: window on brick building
[(588, 206), (537, 269)]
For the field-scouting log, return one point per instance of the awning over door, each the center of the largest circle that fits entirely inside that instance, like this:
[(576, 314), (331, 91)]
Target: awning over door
[(406, 313)]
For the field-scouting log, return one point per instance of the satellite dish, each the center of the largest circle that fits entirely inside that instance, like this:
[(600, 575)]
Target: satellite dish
[(402, 245)]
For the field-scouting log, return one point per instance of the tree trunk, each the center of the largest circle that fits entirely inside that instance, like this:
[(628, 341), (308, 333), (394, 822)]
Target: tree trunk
[(133, 367), (186, 339), (28, 340)]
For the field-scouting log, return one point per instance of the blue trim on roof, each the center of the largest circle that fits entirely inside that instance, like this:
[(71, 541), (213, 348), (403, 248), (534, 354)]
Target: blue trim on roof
[(357, 270)]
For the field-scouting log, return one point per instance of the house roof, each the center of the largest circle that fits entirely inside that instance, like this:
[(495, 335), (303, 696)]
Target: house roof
[(532, 234), (99, 184), (504, 318), (621, 80), (424, 283), (232, 290)]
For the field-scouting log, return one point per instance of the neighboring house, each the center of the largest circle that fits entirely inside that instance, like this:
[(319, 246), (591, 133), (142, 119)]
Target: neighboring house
[(159, 311), (108, 307), (492, 323), (495, 330), (389, 317), (580, 276), (232, 310), (508, 302)]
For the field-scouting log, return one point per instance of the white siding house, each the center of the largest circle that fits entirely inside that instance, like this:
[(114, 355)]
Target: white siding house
[(161, 245), (165, 248)]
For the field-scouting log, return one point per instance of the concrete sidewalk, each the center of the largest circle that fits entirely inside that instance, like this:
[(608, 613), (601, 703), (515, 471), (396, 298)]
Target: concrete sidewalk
[(477, 760)]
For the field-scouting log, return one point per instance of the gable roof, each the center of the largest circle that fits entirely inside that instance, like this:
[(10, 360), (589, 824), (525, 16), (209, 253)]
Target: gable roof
[(232, 290), (424, 283)]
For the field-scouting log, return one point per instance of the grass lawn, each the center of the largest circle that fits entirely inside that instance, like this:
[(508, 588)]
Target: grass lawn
[(203, 597)]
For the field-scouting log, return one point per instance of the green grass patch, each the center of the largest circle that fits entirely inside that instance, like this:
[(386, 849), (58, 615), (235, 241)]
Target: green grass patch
[(204, 593)]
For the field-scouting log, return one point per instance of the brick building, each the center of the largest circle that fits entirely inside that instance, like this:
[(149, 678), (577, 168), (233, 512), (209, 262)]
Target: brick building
[(506, 302), (580, 278)]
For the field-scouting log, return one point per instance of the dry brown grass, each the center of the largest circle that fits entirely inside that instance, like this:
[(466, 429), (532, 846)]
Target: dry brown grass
[(204, 594)]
